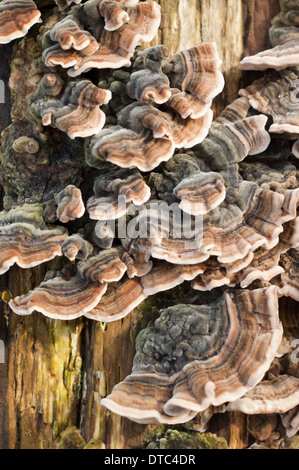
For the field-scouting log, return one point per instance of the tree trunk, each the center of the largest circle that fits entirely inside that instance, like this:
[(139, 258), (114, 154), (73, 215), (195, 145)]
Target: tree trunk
[(56, 372)]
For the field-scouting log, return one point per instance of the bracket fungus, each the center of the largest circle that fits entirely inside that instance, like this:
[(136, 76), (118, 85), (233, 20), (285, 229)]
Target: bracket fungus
[(144, 135), (171, 196), (16, 18), (269, 396), (26, 239), (195, 79), (114, 191), (278, 392), (104, 48), (274, 94), (78, 294), (76, 112), (69, 204), (76, 247), (197, 356), (290, 420)]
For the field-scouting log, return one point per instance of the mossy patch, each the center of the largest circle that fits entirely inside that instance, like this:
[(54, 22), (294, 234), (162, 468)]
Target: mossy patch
[(175, 437)]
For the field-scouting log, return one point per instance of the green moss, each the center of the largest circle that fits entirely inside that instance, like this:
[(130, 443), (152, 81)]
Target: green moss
[(164, 437), (70, 438), (95, 444), (148, 311)]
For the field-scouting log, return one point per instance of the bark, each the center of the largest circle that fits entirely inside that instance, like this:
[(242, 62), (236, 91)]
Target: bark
[(55, 373)]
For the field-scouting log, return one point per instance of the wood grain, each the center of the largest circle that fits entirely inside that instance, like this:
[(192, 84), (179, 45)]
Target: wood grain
[(56, 372)]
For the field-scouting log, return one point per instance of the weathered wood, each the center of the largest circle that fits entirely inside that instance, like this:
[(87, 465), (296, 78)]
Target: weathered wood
[(44, 371), (55, 373), (109, 353)]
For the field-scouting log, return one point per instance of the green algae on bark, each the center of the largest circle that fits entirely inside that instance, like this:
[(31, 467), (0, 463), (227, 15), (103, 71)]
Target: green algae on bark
[(71, 438), (163, 437)]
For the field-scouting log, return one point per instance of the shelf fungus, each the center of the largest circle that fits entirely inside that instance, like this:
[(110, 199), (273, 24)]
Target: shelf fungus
[(290, 420), (69, 204), (115, 190), (197, 356), (59, 298), (284, 37), (278, 392), (145, 136), (116, 28), (288, 281), (64, 297), (195, 79), (75, 110), (187, 82), (76, 247), (275, 94), (122, 297), (25, 238), (269, 396), (201, 192), (16, 18)]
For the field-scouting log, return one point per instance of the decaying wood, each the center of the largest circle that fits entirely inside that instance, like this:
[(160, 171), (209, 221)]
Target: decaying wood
[(55, 373)]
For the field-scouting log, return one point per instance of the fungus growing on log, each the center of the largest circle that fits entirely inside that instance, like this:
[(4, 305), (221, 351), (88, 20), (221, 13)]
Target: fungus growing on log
[(290, 420), (60, 298), (145, 136), (114, 191), (78, 294), (69, 204), (197, 356), (111, 48), (75, 247), (195, 79), (200, 193), (25, 238), (16, 18), (120, 299), (278, 392), (269, 396), (272, 94), (171, 197), (76, 112), (289, 279)]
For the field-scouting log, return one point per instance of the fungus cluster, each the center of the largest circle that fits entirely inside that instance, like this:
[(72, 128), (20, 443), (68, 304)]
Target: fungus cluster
[(137, 190), (16, 18)]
